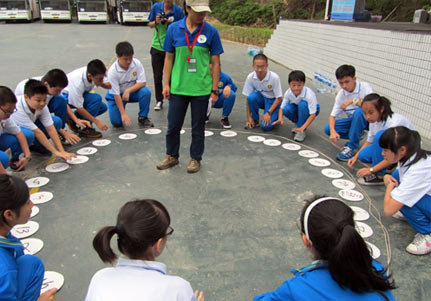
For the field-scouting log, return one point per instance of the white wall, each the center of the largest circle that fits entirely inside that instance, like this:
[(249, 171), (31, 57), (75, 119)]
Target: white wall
[(396, 64)]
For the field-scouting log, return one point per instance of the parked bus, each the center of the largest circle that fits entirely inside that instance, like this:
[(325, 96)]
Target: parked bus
[(92, 10), (134, 11), (24, 10), (55, 10)]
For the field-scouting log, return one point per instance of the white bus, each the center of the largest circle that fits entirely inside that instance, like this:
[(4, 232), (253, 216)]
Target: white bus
[(24, 10), (92, 10), (55, 10), (136, 11)]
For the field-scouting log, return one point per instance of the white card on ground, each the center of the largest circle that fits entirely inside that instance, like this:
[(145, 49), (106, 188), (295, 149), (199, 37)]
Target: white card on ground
[(363, 229), (208, 133), (25, 230), (351, 195), (332, 173), (308, 154), (128, 136), (101, 142), (36, 182), (32, 246), (228, 134), (375, 252), (272, 142), (34, 211), (78, 160), (41, 197), (153, 131), (291, 146), (343, 184), (57, 167), (87, 151), (182, 132), (319, 162), (51, 280), (360, 214), (256, 138)]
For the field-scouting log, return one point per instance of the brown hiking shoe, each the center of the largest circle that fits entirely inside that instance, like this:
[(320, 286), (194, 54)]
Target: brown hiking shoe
[(193, 166), (72, 125), (89, 133), (168, 162)]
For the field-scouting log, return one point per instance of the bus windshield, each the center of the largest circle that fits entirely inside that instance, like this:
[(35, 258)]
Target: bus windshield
[(54, 4), (12, 5), (91, 6), (137, 6)]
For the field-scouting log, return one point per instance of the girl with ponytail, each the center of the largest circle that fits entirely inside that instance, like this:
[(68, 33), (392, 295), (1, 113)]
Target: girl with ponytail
[(343, 268), (142, 229)]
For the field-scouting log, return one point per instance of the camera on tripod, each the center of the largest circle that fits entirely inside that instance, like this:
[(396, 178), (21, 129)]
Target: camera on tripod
[(163, 18)]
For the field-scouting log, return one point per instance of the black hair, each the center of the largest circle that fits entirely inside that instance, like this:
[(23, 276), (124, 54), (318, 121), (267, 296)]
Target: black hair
[(345, 70), (6, 96), (260, 56), (55, 78), (13, 195), (140, 224), (332, 232), (96, 67), (33, 87), (380, 102), (124, 49), (396, 137), (296, 75)]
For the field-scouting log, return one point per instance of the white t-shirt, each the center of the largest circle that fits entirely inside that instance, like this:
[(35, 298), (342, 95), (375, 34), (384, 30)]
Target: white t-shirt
[(25, 118), (361, 90), (269, 87), (9, 126), (121, 79), (78, 85), (19, 90), (306, 94), (395, 120), (415, 182), (138, 280)]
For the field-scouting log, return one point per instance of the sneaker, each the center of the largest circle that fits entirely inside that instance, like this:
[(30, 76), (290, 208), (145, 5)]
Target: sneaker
[(371, 180), (225, 123), (40, 149), (63, 140), (420, 245), (300, 137), (159, 106), (168, 162), (399, 216), (193, 166), (89, 133), (145, 122), (346, 154), (207, 118), (13, 165), (256, 125), (72, 125)]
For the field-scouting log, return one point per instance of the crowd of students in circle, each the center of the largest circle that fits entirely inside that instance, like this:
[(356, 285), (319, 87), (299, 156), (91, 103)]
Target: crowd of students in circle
[(343, 267)]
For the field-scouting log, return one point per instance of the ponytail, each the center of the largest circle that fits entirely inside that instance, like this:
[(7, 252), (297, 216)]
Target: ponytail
[(380, 102), (13, 195), (102, 244)]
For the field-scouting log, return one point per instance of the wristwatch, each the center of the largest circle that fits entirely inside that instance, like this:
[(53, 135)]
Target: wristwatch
[(216, 92), (372, 169), (28, 158)]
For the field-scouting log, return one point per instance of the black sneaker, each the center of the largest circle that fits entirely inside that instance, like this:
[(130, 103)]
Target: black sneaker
[(146, 122), (207, 118), (40, 149), (225, 123), (371, 180), (89, 133), (13, 165), (72, 125)]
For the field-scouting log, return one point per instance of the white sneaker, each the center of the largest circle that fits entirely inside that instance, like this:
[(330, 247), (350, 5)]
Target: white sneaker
[(300, 137), (420, 245), (399, 216), (159, 106)]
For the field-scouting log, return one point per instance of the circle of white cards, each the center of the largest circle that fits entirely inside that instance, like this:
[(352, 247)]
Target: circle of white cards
[(272, 142), (41, 197), (87, 151), (208, 133), (375, 252), (291, 146), (25, 230), (319, 162), (128, 136), (31, 245), (343, 184), (51, 280), (78, 160), (182, 132), (228, 134), (101, 142), (360, 214), (308, 154), (57, 167), (37, 182), (332, 173), (363, 229), (256, 138), (351, 195), (153, 131), (34, 211)]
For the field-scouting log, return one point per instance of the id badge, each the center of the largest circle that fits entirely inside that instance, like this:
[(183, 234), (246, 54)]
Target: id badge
[(191, 65)]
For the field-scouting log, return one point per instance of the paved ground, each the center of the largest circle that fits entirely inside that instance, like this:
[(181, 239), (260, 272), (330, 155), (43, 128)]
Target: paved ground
[(235, 233)]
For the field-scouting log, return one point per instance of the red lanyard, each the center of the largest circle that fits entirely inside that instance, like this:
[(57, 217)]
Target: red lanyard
[(194, 41)]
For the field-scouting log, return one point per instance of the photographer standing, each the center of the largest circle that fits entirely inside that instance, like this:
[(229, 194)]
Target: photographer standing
[(162, 14)]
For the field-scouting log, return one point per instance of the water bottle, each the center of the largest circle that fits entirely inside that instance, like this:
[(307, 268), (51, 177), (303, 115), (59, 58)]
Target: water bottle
[(322, 87), (315, 79)]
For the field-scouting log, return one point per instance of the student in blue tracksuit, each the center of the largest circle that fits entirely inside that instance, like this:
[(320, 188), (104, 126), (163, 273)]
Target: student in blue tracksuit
[(21, 275), (344, 268)]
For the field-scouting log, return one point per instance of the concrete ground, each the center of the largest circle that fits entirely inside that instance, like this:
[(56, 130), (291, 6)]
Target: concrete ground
[(235, 234)]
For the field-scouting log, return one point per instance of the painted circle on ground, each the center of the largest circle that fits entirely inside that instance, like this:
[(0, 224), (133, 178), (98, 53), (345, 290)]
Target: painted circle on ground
[(363, 229), (351, 195), (78, 160), (25, 230), (87, 151), (57, 167), (360, 214), (332, 173), (34, 211), (375, 252), (228, 134), (208, 133), (37, 182), (272, 142), (308, 154), (153, 131), (41, 197), (319, 162), (291, 146), (343, 184), (32, 246), (256, 138), (51, 280), (101, 142), (128, 136), (182, 132)]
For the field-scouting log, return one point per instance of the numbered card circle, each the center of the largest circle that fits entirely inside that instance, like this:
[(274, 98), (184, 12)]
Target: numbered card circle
[(256, 138), (319, 162), (351, 195), (41, 197), (57, 167), (37, 182), (182, 132), (34, 211), (25, 230), (32, 246), (101, 142), (87, 151), (291, 146), (208, 133), (78, 160), (363, 229), (375, 252), (127, 136), (332, 173), (343, 184), (308, 154), (228, 134), (272, 142), (154, 131), (51, 280), (360, 214)]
